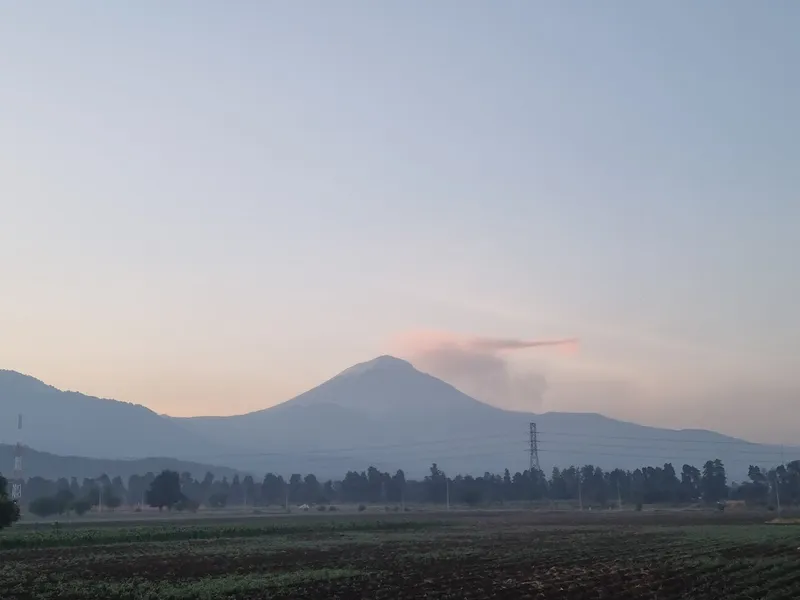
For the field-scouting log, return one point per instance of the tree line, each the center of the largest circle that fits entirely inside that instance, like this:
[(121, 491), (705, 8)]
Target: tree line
[(589, 486)]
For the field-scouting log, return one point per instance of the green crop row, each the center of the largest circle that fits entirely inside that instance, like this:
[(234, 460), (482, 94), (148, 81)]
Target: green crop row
[(54, 537)]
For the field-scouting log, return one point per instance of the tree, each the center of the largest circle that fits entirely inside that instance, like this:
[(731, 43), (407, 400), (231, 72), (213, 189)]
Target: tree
[(64, 498), (218, 500), (689, 489), (165, 490), (44, 507), (81, 507), (714, 482), (9, 510), (112, 501)]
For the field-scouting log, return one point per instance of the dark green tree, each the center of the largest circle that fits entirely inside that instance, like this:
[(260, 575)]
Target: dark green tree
[(44, 507), (714, 482), (9, 510), (165, 491), (81, 507), (64, 498)]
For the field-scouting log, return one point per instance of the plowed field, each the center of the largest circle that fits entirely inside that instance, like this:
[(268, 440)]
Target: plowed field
[(472, 556)]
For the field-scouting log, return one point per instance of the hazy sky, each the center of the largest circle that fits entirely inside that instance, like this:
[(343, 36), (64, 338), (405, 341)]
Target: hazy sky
[(208, 207)]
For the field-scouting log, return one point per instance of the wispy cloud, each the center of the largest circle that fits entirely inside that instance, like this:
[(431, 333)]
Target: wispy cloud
[(480, 366)]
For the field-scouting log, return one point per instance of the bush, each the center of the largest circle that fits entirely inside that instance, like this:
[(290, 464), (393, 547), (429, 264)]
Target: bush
[(638, 507), (322, 508), (361, 508), (332, 509)]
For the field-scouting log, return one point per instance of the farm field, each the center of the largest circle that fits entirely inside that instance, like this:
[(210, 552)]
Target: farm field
[(473, 555)]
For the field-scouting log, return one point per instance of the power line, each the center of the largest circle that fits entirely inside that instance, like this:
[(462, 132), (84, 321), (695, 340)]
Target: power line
[(544, 442), (747, 448)]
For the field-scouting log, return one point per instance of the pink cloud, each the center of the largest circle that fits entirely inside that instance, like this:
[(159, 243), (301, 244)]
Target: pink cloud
[(479, 365)]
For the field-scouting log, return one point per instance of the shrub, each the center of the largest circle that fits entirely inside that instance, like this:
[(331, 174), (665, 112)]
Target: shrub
[(322, 508), (361, 508), (332, 509)]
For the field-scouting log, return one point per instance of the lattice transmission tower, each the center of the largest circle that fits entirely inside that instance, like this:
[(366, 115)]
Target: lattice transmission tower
[(534, 449)]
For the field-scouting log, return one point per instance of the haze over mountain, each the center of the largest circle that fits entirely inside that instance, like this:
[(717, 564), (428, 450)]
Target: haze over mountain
[(53, 466), (390, 414), (382, 412)]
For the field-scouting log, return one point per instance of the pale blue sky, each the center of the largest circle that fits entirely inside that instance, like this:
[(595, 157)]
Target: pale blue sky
[(207, 207)]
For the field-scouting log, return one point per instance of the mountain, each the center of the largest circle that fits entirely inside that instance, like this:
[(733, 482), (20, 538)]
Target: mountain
[(387, 413), (52, 466), (383, 412), (69, 423)]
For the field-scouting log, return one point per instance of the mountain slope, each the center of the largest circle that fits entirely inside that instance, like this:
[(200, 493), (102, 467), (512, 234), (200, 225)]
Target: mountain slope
[(70, 423), (53, 466), (386, 413)]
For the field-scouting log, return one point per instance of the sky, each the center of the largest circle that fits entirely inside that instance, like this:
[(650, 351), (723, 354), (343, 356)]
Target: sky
[(210, 207)]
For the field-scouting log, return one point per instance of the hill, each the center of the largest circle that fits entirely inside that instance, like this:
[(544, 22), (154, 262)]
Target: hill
[(52, 466), (70, 423)]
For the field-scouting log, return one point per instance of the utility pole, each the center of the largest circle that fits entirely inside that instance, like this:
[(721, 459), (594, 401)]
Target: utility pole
[(619, 496), (580, 493), (100, 497), (287, 498)]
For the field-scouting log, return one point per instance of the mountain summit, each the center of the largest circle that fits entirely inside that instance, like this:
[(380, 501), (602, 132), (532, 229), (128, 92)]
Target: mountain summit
[(391, 387)]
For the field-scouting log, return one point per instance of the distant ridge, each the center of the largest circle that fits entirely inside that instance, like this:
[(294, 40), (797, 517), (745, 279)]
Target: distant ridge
[(52, 466), (71, 423)]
